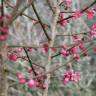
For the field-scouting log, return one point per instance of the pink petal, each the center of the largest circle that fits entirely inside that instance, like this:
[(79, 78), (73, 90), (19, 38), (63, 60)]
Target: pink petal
[(4, 29), (77, 14), (90, 14)]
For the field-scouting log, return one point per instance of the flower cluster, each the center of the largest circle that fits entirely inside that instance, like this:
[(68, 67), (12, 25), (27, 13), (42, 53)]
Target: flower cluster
[(90, 14), (62, 22), (12, 56), (70, 75), (66, 51), (45, 48), (21, 78), (4, 30), (4, 33), (77, 14), (30, 82), (93, 31), (68, 3)]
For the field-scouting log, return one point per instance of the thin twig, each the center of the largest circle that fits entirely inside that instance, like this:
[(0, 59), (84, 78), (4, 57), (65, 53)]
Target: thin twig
[(35, 20), (29, 16), (30, 62), (84, 33), (72, 46), (33, 63), (36, 13), (18, 13)]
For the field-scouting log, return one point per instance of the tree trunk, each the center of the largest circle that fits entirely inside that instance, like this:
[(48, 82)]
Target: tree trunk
[(3, 72)]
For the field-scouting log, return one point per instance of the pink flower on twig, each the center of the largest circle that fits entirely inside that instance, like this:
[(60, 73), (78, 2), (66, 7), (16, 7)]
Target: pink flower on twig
[(77, 14), (70, 75), (90, 14), (93, 31)]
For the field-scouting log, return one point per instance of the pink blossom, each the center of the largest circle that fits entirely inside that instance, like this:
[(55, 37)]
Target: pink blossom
[(29, 70), (66, 80), (1, 18), (19, 50), (4, 33), (77, 39), (62, 22), (22, 81), (77, 57), (74, 50), (61, 15), (64, 52), (90, 14), (44, 86), (4, 29), (21, 78), (29, 49), (19, 75), (54, 49), (68, 3), (70, 75), (76, 77), (45, 48), (64, 46), (79, 42), (35, 21), (81, 46), (67, 76), (77, 14), (12, 57), (93, 31), (3, 37), (5, 17), (31, 83)]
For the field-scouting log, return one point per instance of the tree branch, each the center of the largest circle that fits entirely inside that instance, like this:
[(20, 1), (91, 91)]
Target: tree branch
[(82, 11), (60, 66), (30, 62), (36, 13)]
